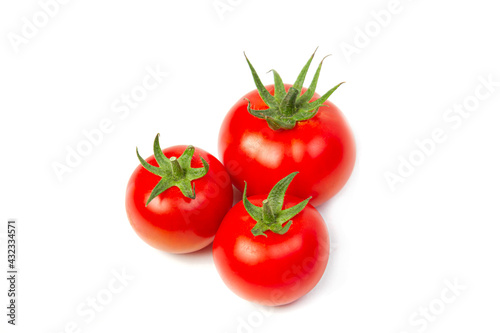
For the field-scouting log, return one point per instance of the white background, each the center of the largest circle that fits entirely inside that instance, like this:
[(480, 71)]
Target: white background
[(394, 250)]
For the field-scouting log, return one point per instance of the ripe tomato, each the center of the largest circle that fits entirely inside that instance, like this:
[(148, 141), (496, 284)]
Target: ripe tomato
[(261, 144), (173, 220), (276, 267)]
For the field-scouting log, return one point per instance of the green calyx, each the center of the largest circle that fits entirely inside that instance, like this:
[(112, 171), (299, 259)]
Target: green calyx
[(287, 108), (271, 216), (174, 171)]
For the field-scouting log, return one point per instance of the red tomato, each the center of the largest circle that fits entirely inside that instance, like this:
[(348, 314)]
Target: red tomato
[(171, 221), (321, 148), (277, 269), (272, 250)]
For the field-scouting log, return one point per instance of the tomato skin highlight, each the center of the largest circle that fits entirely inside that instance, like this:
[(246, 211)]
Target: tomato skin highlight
[(322, 149), (273, 270), (172, 222)]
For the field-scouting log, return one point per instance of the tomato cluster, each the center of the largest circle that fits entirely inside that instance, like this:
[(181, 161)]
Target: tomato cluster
[(288, 150)]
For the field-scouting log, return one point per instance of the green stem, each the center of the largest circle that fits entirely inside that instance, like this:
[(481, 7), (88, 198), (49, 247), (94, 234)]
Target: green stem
[(271, 215), (174, 171), (287, 109), (177, 171), (267, 211), (287, 106)]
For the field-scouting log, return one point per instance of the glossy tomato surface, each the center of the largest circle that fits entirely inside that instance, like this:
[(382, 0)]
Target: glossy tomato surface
[(172, 222), (322, 149), (272, 270)]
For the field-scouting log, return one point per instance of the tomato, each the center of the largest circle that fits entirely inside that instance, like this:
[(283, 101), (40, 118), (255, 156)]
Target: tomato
[(183, 214), (276, 266), (261, 144)]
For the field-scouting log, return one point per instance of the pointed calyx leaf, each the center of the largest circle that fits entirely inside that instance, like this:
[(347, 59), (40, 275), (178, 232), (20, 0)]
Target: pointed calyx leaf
[(271, 216), (288, 108), (174, 171)]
